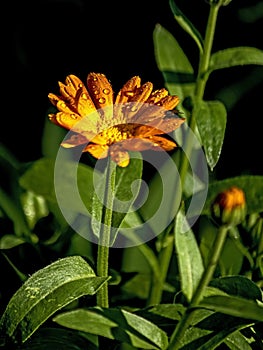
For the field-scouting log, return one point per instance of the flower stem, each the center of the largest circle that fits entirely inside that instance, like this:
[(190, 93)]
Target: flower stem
[(175, 341), (105, 233), (199, 293), (164, 258)]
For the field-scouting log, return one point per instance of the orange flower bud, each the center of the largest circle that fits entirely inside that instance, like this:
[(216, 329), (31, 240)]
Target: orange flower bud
[(229, 206)]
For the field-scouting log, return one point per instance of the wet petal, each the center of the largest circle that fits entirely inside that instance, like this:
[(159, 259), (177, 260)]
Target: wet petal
[(97, 151), (74, 140), (128, 90), (100, 90), (66, 120), (119, 156), (157, 95)]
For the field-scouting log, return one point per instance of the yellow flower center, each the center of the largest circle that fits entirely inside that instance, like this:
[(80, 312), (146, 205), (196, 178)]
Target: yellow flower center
[(114, 134)]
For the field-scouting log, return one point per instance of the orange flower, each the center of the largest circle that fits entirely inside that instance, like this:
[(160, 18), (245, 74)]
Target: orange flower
[(135, 120)]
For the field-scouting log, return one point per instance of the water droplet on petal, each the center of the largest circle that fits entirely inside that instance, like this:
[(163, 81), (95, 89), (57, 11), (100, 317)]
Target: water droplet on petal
[(101, 100), (96, 92), (106, 91)]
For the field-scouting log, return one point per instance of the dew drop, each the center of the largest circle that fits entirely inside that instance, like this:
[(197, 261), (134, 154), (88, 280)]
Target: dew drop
[(84, 96), (96, 92), (106, 91), (102, 100), (95, 78), (73, 116), (80, 85)]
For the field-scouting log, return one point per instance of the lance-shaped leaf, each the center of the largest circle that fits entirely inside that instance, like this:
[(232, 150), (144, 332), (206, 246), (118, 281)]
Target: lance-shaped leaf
[(44, 293), (125, 191), (117, 324), (67, 174), (234, 306), (235, 56), (188, 255), (211, 122), (187, 25), (171, 60)]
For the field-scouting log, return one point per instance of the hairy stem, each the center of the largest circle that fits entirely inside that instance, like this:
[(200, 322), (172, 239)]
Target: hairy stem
[(105, 233)]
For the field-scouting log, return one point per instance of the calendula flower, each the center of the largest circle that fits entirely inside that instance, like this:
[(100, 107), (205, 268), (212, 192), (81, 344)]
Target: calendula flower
[(229, 206), (104, 124)]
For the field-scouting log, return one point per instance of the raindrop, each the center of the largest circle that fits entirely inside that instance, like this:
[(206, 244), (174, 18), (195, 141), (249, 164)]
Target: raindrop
[(102, 100), (106, 91), (96, 92)]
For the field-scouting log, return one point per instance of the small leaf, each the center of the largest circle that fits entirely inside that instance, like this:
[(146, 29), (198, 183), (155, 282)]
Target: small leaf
[(45, 292), (211, 122), (10, 241), (115, 324), (187, 25), (234, 306), (235, 56), (177, 71), (189, 258)]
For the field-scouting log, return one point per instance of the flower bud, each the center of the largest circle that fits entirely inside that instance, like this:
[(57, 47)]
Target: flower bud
[(229, 207)]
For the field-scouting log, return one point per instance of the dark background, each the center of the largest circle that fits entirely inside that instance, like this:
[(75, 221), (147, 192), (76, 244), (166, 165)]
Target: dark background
[(49, 39)]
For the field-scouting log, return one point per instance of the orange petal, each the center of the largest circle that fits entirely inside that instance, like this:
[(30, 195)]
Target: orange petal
[(97, 151), (160, 143), (128, 90), (66, 120), (169, 102), (157, 95), (74, 140), (119, 156), (100, 90)]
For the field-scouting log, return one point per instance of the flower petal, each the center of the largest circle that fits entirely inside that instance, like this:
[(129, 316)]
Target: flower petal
[(119, 156), (66, 120), (97, 151), (74, 140), (100, 90), (128, 90)]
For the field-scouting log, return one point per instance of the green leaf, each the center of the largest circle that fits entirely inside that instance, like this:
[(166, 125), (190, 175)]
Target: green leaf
[(209, 329), (55, 339), (127, 187), (187, 25), (235, 56), (45, 292), (237, 341), (115, 324), (39, 178), (15, 213), (238, 286), (177, 71), (9, 241), (252, 185), (34, 206), (189, 258), (234, 306), (211, 122)]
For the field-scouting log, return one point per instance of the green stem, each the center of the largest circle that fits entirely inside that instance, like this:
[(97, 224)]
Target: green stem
[(219, 242), (199, 293), (200, 84), (164, 259), (105, 234)]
